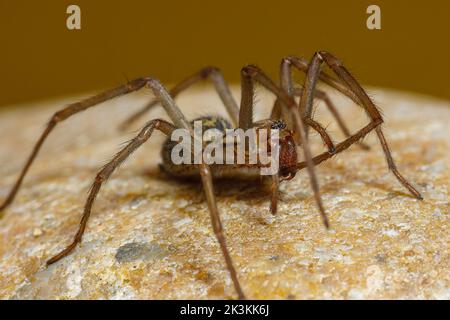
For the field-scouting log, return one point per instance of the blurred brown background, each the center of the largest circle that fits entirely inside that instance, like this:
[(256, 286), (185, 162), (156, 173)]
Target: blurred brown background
[(40, 58)]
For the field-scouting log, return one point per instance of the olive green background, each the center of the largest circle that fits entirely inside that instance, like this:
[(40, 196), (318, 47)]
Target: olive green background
[(40, 58)]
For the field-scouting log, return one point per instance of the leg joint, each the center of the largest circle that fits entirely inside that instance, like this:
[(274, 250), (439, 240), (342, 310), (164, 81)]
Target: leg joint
[(152, 83), (329, 58), (136, 84), (57, 117), (378, 121), (287, 60), (207, 71), (102, 175), (299, 62), (250, 70), (148, 129)]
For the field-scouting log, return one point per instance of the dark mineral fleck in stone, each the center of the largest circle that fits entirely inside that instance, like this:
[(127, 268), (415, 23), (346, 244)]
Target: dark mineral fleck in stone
[(136, 251)]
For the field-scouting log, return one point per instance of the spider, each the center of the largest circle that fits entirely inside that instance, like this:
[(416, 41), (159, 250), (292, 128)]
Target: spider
[(292, 118)]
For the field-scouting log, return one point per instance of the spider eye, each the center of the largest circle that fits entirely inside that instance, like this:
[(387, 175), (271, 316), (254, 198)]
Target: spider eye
[(278, 124)]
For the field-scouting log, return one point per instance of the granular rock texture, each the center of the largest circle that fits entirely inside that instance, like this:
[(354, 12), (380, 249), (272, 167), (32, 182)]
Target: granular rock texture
[(150, 237)]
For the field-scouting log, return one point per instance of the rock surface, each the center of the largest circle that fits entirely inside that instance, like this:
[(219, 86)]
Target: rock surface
[(150, 237)]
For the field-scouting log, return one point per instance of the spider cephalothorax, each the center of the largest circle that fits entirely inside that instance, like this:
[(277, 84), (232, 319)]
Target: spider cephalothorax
[(296, 119)]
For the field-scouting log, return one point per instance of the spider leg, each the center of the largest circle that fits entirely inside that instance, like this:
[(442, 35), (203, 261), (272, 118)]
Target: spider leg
[(354, 91), (275, 183), (134, 85), (249, 75), (211, 73), (106, 172), (206, 176), (308, 122), (276, 114), (286, 82), (275, 179), (179, 121), (64, 114), (323, 134), (322, 95), (342, 145)]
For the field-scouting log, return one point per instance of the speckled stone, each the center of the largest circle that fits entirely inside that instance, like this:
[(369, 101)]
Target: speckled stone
[(150, 237)]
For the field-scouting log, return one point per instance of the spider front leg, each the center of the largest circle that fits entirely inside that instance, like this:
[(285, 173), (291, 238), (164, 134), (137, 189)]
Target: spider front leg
[(275, 179), (287, 84), (323, 134), (251, 74), (353, 90), (326, 139)]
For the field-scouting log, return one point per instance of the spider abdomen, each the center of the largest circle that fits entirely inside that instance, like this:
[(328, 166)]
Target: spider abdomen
[(219, 170)]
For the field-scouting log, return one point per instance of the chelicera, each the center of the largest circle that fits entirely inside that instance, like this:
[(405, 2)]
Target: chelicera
[(292, 119)]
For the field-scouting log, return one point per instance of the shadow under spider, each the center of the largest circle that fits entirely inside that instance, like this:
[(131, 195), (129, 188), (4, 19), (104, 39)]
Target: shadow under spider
[(349, 177), (223, 187)]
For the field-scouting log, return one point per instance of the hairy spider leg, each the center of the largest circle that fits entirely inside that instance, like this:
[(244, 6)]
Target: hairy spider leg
[(287, 84), (350, 87), (179, 121), (251, 74)]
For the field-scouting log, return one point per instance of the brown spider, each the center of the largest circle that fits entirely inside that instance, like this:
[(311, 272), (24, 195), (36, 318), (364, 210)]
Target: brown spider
[(292, 131)]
